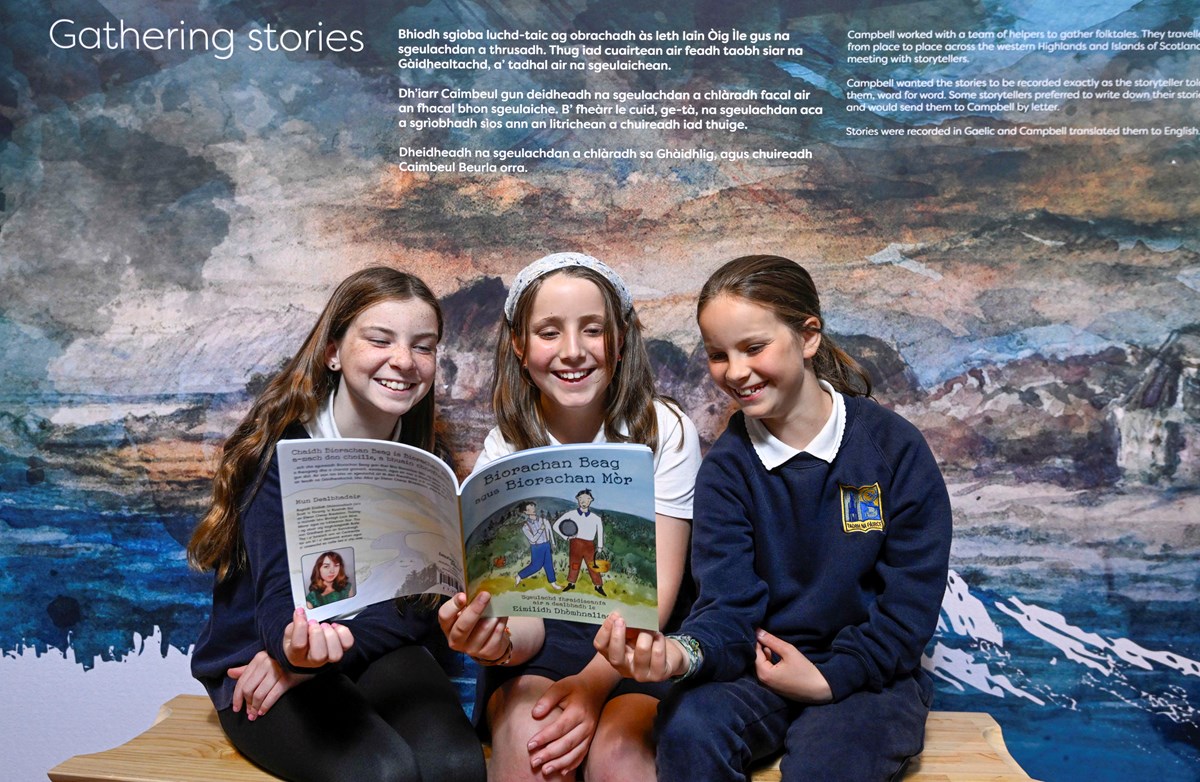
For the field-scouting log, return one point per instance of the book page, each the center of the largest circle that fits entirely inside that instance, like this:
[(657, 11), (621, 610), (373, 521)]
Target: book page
[(565, 532), (384, 514)]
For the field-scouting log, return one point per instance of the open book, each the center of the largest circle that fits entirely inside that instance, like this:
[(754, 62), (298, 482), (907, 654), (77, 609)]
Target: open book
[(563, 531)]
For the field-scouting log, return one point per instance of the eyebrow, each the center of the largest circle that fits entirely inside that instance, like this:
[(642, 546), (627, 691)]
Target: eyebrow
[(391, 333), (555, 318)]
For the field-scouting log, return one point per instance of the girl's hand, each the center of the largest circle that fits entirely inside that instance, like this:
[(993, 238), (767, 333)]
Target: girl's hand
[(260, 683), (311, 644), (467, 630), (563, 743), (639, 654), (793, 675)]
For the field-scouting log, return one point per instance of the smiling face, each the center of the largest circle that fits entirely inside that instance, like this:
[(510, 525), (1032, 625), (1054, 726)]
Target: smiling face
[(763, 365), (387, 359), (565, 354)]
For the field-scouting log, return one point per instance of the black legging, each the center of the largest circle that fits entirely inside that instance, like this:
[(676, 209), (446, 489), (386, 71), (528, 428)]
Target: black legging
[(401, 721)]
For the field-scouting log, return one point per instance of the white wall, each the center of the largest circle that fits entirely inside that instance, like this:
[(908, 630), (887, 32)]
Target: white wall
[(52, 709)]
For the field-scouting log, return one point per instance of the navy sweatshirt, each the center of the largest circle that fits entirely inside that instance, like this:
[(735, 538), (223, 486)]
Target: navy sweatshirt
[(252, 606), (812, 553)]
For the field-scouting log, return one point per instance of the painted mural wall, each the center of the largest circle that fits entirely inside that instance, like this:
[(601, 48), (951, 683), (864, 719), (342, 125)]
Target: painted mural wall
[(172, 219)]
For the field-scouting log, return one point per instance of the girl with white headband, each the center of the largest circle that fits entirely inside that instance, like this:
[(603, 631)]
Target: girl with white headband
[(572, 367)]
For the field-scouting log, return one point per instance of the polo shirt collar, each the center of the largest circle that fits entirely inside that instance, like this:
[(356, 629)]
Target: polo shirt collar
[(773, 452), (323, 426)]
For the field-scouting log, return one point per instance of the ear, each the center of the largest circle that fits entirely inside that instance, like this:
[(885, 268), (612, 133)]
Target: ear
[(810, 339), (332, 359), (517, 348)]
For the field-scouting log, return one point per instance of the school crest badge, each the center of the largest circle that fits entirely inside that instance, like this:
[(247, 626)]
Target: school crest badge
[(862, 508)]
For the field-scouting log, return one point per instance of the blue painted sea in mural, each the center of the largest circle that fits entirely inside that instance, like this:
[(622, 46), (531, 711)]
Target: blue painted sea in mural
[(1088, 663)]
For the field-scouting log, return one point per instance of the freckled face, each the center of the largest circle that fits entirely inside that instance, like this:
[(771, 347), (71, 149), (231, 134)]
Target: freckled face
[(387, 357)]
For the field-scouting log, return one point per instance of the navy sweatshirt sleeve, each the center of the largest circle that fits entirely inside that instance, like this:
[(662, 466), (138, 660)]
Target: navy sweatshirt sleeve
[(909, 576)]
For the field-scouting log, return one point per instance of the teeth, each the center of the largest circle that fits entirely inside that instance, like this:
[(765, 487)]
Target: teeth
[(395, 385), (579, 375), (745, 392)]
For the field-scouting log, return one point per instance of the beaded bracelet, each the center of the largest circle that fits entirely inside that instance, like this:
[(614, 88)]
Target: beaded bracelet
[(505, 656), (695, 655)]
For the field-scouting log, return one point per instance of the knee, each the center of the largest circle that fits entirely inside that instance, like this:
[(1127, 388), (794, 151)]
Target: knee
[(512, 725), (619, 762), (449, 749), (680, 721), (685, 715), (699, 735), (460, 764), (620, 755), (379, 767)]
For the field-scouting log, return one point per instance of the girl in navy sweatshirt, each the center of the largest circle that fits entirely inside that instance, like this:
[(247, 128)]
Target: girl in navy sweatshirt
[(359, 699), (821, 539)]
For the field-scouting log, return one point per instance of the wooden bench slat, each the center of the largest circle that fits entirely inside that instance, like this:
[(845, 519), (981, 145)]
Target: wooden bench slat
[(186, 744)]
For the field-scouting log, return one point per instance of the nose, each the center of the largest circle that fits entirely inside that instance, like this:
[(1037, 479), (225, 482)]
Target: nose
[(736, 369), (402, 358), (570, 347)]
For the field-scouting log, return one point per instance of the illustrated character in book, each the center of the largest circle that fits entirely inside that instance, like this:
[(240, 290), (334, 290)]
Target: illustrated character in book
[(537, 531), (584, 533)]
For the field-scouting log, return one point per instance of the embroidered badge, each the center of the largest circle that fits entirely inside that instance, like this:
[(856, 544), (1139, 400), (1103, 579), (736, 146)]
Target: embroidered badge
[(862, 508)]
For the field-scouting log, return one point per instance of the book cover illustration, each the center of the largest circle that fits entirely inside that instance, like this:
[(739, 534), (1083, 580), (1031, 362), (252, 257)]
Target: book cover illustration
[(568, 533)]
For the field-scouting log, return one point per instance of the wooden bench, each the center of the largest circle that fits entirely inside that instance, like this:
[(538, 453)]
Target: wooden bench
[(186, 744)]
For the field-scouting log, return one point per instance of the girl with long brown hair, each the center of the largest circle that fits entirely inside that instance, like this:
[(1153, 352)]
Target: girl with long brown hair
[(572, 367), (356, 699)]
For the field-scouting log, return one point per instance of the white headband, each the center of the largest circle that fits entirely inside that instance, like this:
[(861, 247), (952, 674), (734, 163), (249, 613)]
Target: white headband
[(552, 263)]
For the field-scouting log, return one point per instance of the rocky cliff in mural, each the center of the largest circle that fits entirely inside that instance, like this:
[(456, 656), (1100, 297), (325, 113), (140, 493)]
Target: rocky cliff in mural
[(1158, 422)]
